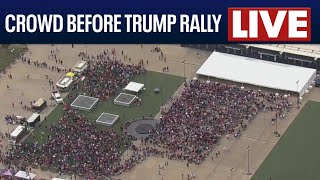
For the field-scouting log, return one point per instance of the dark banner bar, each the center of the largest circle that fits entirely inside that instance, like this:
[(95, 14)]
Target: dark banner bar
[(204, 21)]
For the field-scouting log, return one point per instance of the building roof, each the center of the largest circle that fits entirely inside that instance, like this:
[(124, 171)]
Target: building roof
[(257, 72), (292, 49), (17, 131), (39, 102), (33, 117)]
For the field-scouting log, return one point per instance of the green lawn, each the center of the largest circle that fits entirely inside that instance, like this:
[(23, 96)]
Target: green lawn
[(151, 103), (6, 56), (297, 154)]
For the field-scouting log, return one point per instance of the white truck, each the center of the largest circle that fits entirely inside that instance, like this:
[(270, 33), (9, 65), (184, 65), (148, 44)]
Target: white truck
[(57, 97)]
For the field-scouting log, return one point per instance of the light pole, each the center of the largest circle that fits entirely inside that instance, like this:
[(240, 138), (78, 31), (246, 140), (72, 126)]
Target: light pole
[(276, 131), (231, 173), (248, 172), (184, 69), (8, 130), (277, 134), (297, 93), (128, 150), (86, 52), (161, 95)]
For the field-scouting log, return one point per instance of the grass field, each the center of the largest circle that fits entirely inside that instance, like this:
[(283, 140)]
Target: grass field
[(6, 56), (297, 154), (150, 106)]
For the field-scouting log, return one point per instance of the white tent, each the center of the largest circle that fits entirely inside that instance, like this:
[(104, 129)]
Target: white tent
[(58, 179), (25, 175), (258, 72), (134, 87)]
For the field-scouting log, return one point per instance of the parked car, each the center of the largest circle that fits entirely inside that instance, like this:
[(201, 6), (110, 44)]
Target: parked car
[(57, 97)]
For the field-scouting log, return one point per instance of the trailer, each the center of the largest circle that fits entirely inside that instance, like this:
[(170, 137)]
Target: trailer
[(80, 67), (18, 134), (33, 120), (39, 105)]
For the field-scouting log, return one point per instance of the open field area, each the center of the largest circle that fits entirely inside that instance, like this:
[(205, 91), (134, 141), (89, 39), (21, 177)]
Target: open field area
[(296, 155), (149, 108), (8, 55)]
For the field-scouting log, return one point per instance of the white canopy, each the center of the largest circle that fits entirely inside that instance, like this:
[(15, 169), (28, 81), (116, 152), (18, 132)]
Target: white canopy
[(64, 82), (25, 175), (134, 87), (258, 72), (58, 179)]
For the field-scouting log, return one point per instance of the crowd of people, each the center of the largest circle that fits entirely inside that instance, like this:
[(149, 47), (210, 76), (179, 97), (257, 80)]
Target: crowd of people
[(205, 112), (188, 130), (107, 76), (105, 55), (45, 65), (13, 119), (76, 146)]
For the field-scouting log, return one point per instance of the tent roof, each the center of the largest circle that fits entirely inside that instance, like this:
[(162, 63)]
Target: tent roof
[(17, 131), (64, 82), (33, 117), (257, 72), (134, 87), (70, 74)]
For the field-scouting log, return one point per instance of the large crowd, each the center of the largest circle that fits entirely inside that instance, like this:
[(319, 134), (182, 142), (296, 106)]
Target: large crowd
[(76, 146), (205, 112), (188, 130), (107, 76)]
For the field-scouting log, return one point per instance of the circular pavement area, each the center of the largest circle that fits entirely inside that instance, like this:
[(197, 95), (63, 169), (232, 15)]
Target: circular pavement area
[(140, 128), (144, 128)]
